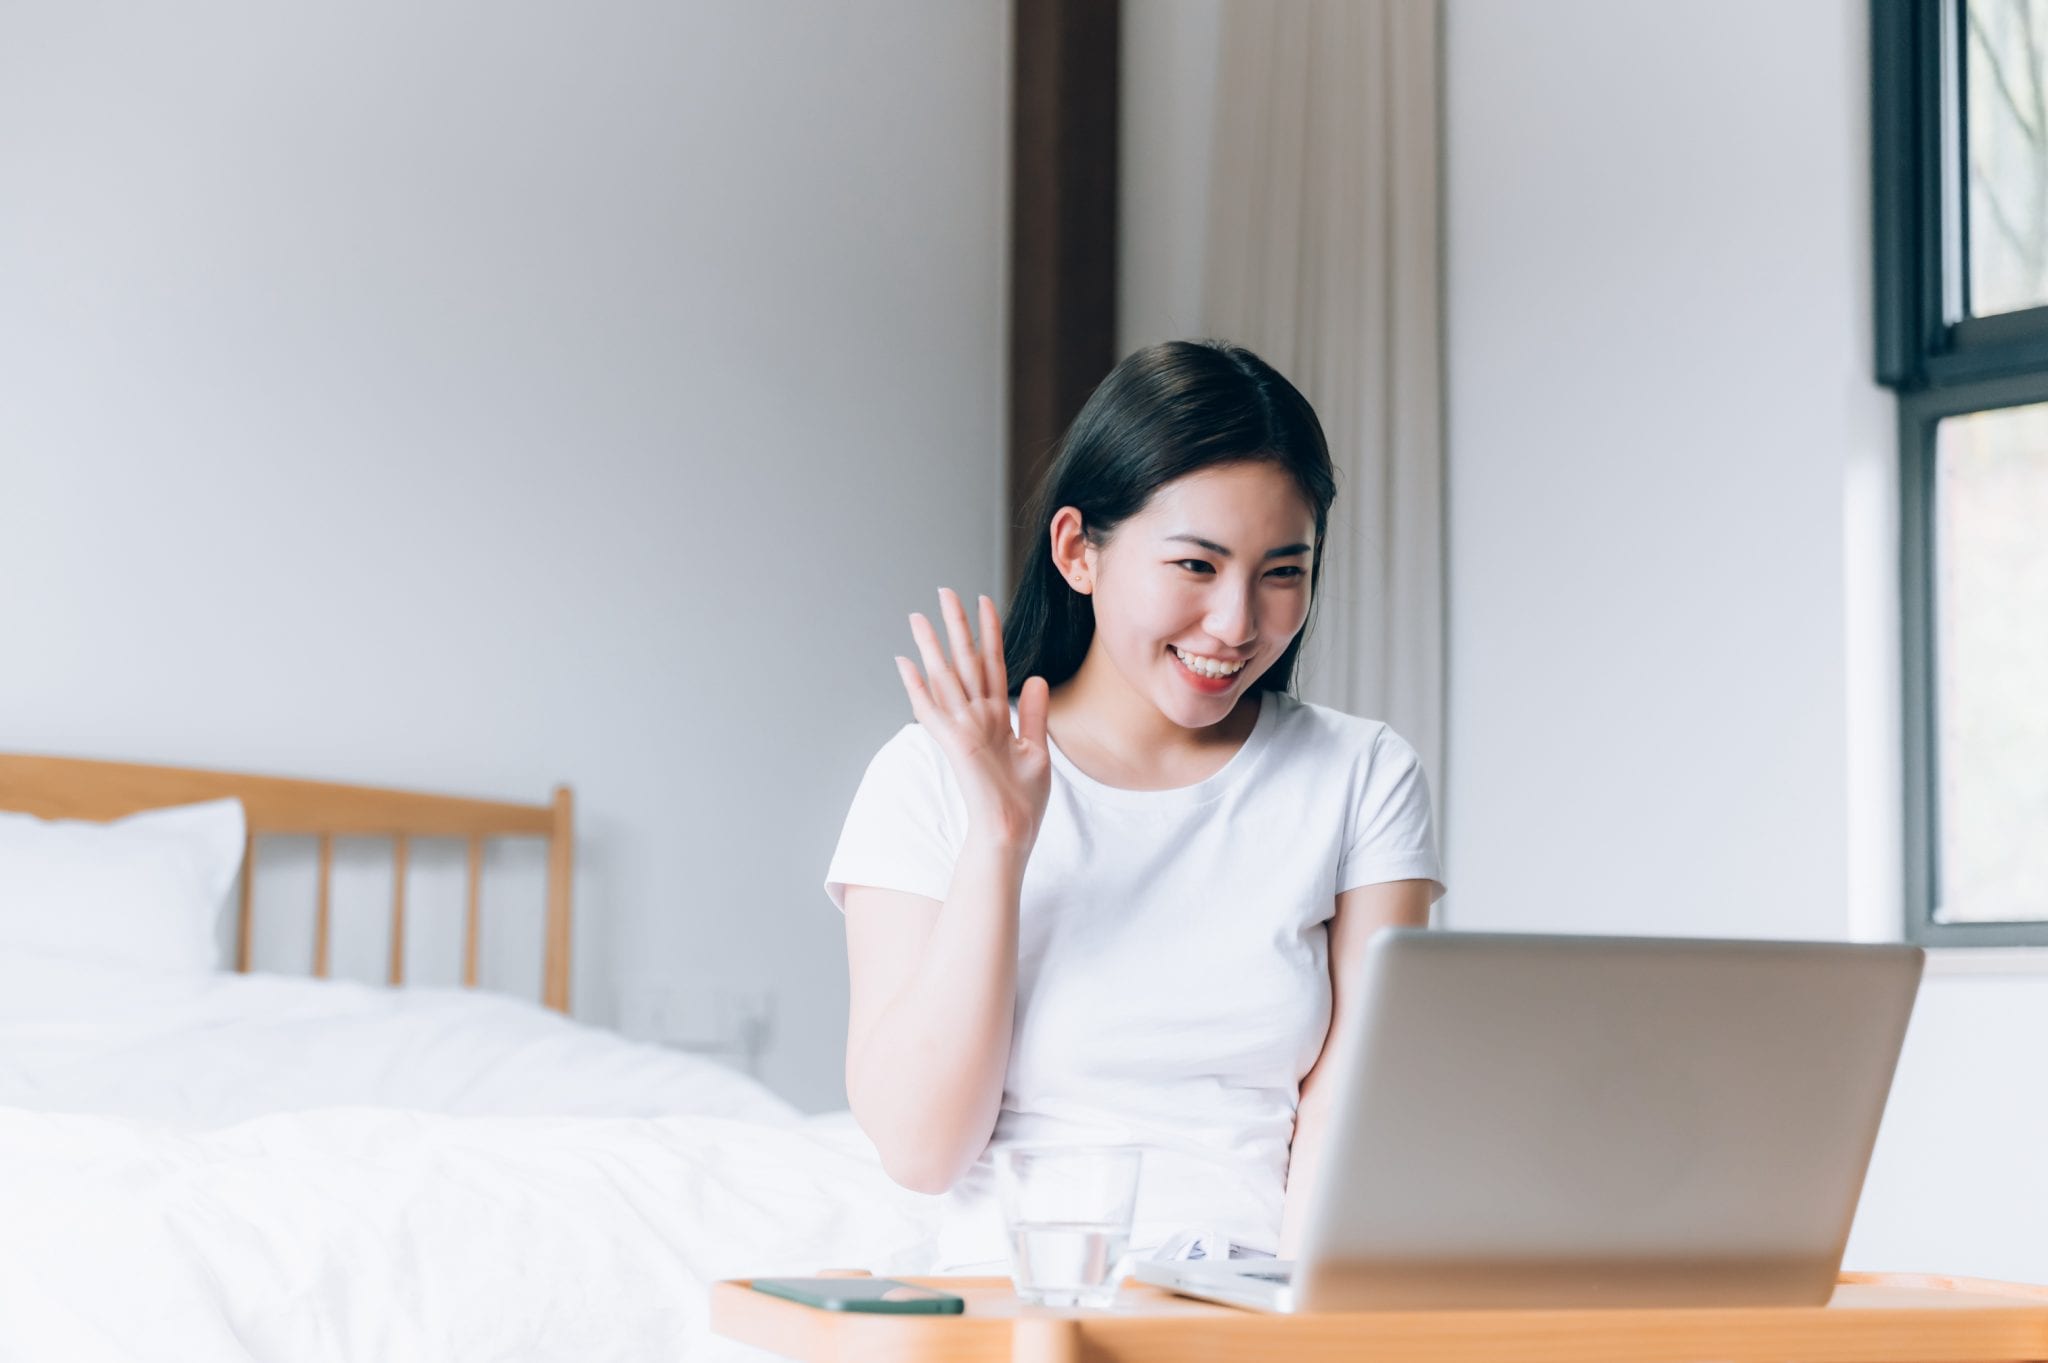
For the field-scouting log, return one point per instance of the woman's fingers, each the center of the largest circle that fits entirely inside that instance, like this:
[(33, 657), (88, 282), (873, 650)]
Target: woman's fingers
[(1032, 702), (945, 687), (913, 686), (966, 661), (992, 662)]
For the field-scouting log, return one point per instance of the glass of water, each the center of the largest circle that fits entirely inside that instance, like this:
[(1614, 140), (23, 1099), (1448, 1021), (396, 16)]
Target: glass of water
[(1067, 1210)]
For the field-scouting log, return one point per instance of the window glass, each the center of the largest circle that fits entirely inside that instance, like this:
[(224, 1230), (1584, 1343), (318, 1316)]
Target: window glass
[(2006, 117), (1991, 659)]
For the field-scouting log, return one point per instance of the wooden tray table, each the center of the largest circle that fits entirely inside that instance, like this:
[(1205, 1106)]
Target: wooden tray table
[(1873, 1318)]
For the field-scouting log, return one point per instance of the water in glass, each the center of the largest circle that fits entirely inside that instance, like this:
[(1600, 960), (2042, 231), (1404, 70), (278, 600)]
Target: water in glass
[(1067, 1211), (1067, 1263)]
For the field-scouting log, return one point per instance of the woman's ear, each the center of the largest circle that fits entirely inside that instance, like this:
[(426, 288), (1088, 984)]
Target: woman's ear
[(1072, 555)]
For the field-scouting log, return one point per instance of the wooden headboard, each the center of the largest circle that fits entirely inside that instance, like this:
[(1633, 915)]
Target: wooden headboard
[(75, 788)]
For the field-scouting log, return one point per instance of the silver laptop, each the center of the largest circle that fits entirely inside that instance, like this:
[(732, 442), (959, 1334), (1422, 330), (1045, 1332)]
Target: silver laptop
[(1554, 1121)]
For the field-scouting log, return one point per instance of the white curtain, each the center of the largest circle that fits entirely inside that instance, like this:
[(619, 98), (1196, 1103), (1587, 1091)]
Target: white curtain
[(1322, 257)]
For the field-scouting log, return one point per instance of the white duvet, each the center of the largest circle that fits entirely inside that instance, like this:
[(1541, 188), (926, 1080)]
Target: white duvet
[(204, 1050), (261, 1168)]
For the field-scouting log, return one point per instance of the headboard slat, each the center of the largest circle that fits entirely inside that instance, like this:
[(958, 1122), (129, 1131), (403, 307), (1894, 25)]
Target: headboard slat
[(323, 913), (561, 870), (472, 911), (401, 858), (245, 908)]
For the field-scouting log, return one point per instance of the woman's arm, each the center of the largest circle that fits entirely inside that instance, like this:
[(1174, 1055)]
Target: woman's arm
[(1360, 913), (934, 986), (934, 990)]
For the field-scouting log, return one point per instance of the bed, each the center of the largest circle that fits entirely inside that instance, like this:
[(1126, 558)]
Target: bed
[(198, 1160)]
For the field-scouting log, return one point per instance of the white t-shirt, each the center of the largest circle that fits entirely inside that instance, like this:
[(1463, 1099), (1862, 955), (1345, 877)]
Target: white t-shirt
[(1173, 981)]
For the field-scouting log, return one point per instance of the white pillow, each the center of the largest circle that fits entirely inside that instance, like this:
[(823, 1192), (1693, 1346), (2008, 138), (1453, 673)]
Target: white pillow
[(145, 891)]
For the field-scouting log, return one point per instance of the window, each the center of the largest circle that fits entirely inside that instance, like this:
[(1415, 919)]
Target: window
[(1960, 126)]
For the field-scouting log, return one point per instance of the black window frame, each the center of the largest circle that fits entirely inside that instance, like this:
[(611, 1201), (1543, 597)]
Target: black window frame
[(1942, 363)]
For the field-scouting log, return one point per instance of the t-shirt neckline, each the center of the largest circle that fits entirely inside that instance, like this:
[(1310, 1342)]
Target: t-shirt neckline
[(1174, 797)]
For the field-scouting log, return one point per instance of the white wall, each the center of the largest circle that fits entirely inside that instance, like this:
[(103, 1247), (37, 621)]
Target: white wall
[(1672, 700), (1658, 371), (477, 396)]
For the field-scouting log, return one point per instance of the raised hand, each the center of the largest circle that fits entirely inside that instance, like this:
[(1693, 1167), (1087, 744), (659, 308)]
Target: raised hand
[(964, 702)]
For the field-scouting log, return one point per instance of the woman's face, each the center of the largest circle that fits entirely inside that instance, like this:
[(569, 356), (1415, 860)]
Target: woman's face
[(1203, 590)]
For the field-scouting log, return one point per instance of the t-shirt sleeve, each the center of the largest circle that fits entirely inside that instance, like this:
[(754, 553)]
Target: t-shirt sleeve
[(903, 831), (1393, 835)]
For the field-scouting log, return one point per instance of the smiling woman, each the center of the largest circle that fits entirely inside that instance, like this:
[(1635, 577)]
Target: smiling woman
[(1112, 883)]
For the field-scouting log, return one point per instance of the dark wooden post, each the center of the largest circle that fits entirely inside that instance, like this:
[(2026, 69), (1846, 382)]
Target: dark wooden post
[(1063, 187)]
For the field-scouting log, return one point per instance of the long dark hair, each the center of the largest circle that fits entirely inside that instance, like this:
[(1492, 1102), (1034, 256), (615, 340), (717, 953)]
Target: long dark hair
[(1162, 413)]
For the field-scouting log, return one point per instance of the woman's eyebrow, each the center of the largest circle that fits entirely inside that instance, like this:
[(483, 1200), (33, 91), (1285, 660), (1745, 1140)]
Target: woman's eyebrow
[(1213, 547)]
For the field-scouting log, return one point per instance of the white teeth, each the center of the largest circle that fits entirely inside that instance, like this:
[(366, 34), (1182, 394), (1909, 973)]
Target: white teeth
[(1208, 667)]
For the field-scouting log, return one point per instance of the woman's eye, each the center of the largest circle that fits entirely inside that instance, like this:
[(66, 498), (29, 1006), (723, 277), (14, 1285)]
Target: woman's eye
[(1196, 565)]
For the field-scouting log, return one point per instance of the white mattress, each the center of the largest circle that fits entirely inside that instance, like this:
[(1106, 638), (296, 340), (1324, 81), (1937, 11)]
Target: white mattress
[(264, 1168)]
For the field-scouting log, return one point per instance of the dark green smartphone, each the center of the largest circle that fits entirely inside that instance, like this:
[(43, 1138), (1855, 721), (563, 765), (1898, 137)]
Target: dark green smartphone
[(862, 1294)]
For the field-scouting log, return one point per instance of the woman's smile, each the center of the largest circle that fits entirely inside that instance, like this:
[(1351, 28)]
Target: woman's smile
[(1210, 676)]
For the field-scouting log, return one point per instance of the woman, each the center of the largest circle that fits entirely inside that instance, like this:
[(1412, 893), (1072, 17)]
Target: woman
[(1123, 909)]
